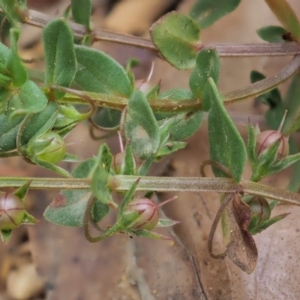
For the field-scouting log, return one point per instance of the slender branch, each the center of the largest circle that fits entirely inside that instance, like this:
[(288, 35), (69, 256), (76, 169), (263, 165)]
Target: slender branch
[(159, 105), (39, 19), (265, 85), (200, 184), (158, 184)]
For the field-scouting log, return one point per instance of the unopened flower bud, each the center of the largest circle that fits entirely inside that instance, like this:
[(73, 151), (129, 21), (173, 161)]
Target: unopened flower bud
[(260, 207), (12, 211), (49, 147), (267, 138), (148, 213)]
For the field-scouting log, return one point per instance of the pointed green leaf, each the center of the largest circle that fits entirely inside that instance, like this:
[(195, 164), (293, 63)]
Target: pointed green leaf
[(98, 72), (71, 158), (27, 99), (272, 34), (100, 174), (40, 123), (69, 206), (169, 148), (186, 123), (265, 162), (51, 167), (68, 115), (4, 54), (22, 191), (59, 55), (207, 65), (268, 223), (15, 65), (141, 128), (284, 163), (251, 145), (150, 234), (129, 163), (5, 235), (226, 144), (176, 36), (29, 219), (127, 199), (166, 223), (206, 12), (81, 11), (287, 17)]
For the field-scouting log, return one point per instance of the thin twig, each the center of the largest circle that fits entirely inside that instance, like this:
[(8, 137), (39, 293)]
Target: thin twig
[(39, 19)]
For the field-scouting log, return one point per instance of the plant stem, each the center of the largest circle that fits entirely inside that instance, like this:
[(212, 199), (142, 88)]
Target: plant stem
[(201, 184), (169, 105), (158, 184), (39, 19)]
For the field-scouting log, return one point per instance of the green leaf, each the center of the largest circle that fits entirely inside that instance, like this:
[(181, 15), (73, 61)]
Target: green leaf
[(40, 123), (51, 167), (4, 53), (207, 65), (36, 125), (29, 98), (141, 128), (59, 55), (15, 65), (268, 223), (127, 199), (272, 34), (71, 158), (265, 162), (176, 36), (166, 223), (5, 235), (287, 17), (168, 148), (206, 12), (69, 206), (68, 115), (251, 146), (292, 121), (8, 132), (150, 234), (129, 162), (22, 191), (284, 163), (226, 145), (14, 11), (81, 11), (100, 174), (98, 72), (186, 123)]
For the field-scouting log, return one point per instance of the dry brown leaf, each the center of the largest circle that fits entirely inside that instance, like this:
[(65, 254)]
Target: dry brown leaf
[(241, 248)]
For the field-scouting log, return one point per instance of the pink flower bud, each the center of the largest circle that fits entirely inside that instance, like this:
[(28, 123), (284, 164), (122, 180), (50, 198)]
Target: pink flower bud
[(267, 138), (12, 211), (148, 213)]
